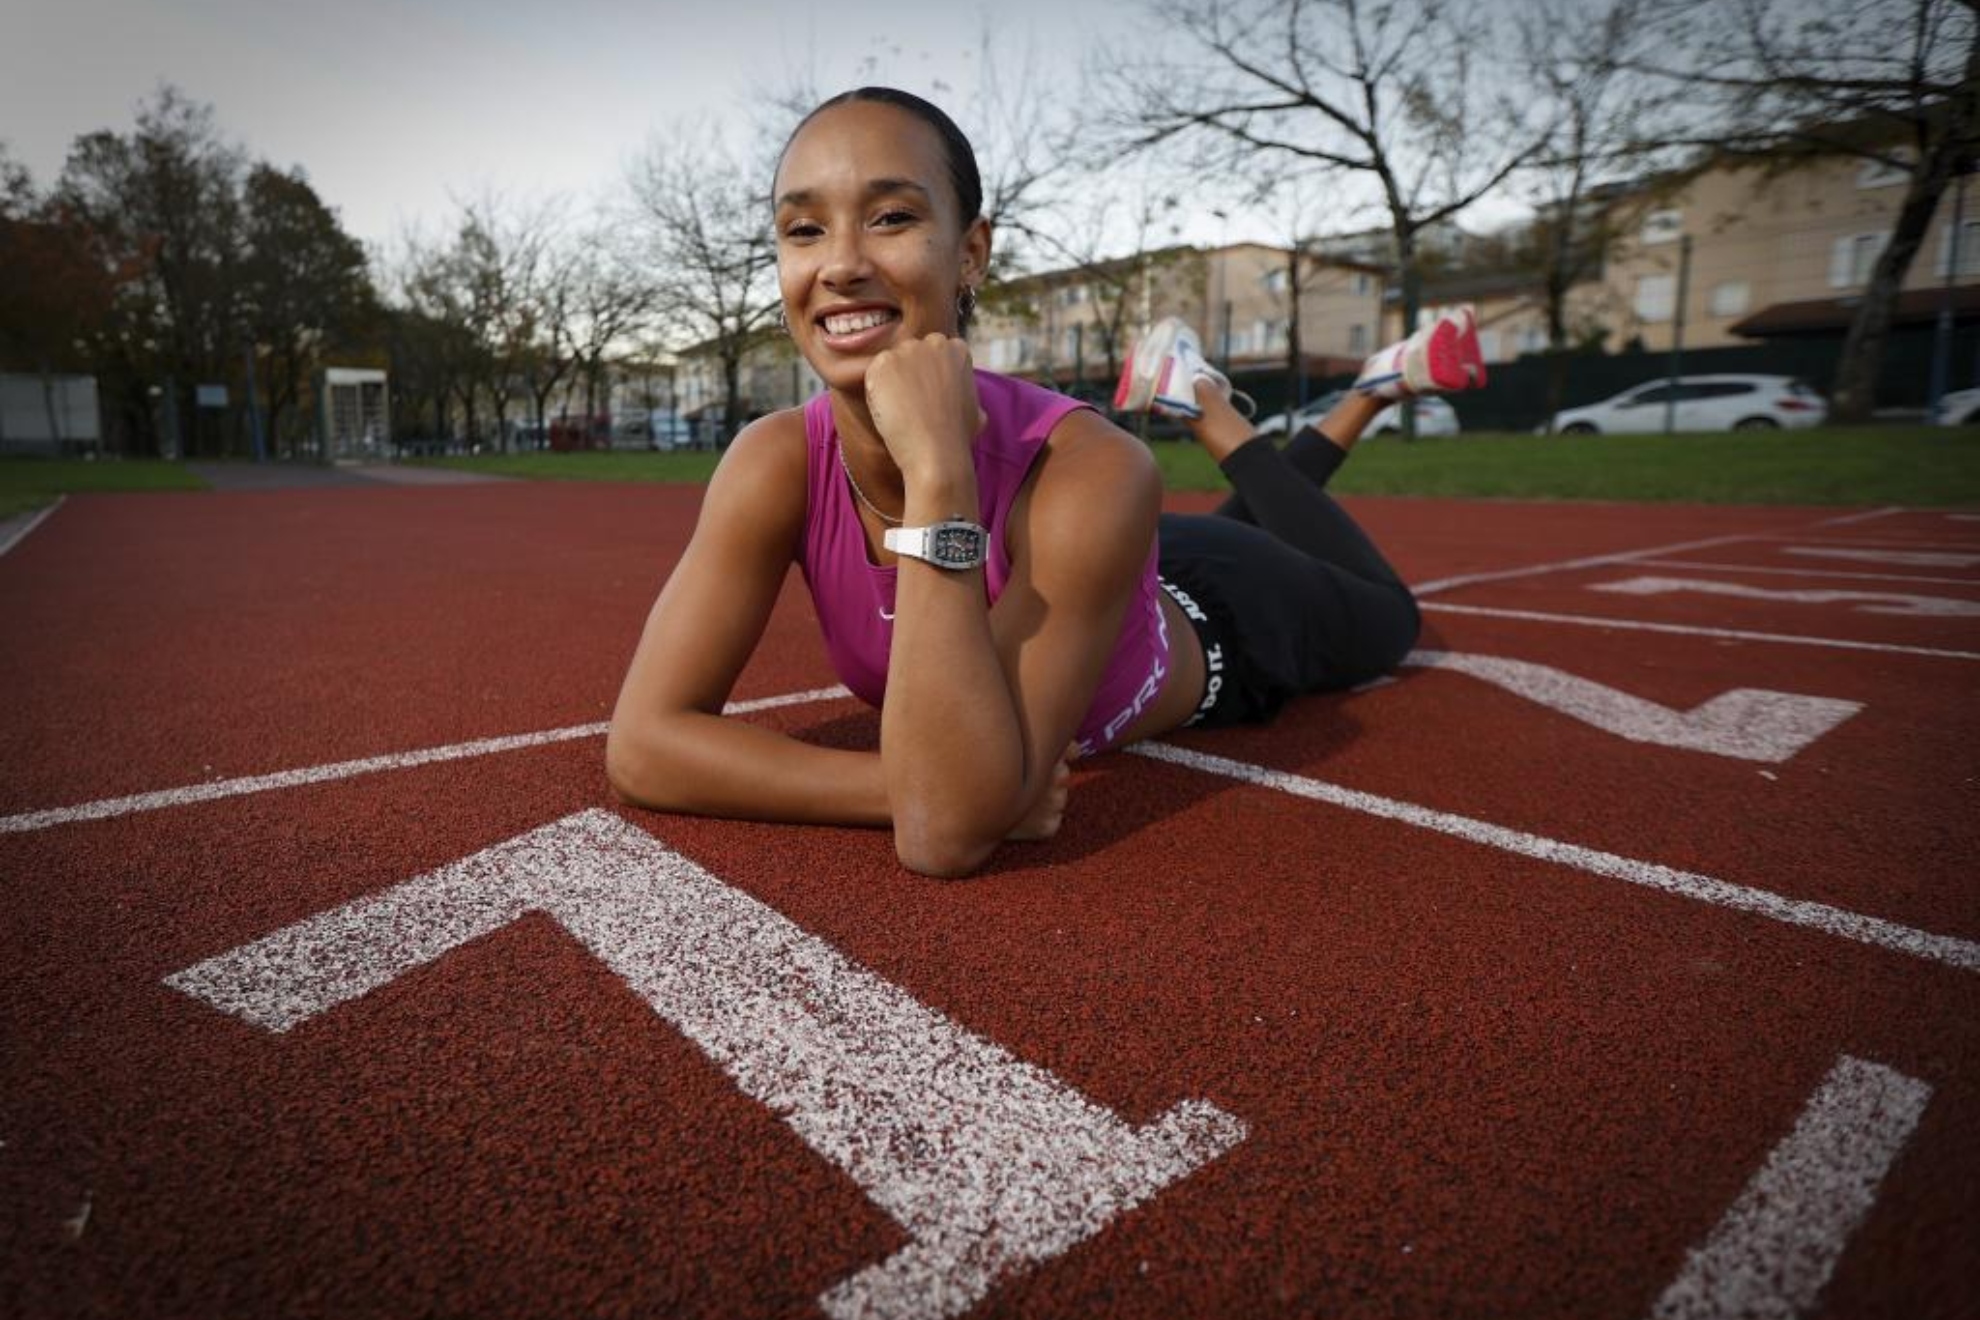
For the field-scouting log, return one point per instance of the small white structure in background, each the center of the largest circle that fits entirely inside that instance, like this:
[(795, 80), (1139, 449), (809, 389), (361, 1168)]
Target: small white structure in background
[(49, 415), (354, 415)]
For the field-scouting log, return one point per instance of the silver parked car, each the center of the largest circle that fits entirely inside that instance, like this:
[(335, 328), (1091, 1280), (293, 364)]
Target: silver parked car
[(1702, 403), (1434, 416)]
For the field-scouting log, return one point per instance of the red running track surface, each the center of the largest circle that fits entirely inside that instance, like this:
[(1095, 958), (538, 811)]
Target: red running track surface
[(1482, 992)]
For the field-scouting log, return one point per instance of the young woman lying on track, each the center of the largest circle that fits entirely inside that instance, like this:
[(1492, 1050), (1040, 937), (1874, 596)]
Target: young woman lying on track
[(989, 560)]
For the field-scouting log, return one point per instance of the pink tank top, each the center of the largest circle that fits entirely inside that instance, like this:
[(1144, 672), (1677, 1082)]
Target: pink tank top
[(854, 597)]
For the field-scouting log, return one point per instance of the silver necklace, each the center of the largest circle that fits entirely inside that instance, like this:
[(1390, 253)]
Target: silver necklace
[(873, 508)]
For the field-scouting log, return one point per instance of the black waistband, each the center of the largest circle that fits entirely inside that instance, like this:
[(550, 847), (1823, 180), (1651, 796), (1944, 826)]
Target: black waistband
[(1214, 651)]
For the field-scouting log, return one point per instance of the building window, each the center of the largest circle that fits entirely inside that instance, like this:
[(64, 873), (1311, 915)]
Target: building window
[(1275, 281), (1532, 339), (1969, 249), (1357, 338), (1072, 295), (1364, 284), (1852, 258), (1488, 345), (1656, 297), (1731, 298), (1662, 227)]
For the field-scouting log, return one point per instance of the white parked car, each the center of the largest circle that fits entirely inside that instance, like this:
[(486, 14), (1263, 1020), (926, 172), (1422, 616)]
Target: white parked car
[(1702, 403), (1434, 416), (1959, 408)]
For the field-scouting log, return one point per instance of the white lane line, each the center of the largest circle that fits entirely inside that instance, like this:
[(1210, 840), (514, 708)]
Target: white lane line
[(1721, 567), (1861, 601), (1866, 516), (1749, 724), (1899, 558), (1946, 949), (1873, 542), (1563, 565), (32, 521), (1692, 630), (1773, 1252), (104, 808), (991, 1164)]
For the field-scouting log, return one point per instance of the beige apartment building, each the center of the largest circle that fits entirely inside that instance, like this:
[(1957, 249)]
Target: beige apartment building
[(1073, 328), (1770, 253)]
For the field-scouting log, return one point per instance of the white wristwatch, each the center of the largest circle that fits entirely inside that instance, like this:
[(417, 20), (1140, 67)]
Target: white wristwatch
[(955, 545)]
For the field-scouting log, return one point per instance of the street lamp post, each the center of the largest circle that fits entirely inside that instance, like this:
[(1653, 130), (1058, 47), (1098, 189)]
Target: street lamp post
[(1942, 333), (1677, 334)]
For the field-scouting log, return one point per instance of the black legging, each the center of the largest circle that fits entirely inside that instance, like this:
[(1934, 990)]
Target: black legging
[(1291, 584)]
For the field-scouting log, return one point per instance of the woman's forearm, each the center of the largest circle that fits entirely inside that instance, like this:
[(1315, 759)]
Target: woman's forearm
[(951, 741), (711, 765)]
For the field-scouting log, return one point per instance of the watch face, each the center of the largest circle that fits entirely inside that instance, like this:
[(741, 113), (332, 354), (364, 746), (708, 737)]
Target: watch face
[(955, 545)]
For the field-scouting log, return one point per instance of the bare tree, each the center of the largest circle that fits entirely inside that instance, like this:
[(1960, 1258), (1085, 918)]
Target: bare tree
[(547, 326), (441, 329), (613, 302), (1101, 243), (1396, 93), (1578, 59), (494, 281), (1896, 85), (709, 248)]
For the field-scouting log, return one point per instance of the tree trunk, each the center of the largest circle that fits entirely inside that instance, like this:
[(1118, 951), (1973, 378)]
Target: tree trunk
[(1412, 305), (1295, 377), (1862, 354), (1863, 347)]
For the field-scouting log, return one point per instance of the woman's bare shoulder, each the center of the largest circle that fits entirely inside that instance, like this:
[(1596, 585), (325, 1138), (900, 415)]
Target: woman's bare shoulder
[(1087, 454), (762, 481), (771, 442)]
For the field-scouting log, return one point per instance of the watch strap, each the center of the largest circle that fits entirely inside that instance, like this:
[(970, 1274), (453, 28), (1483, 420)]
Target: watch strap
[(954, 544)]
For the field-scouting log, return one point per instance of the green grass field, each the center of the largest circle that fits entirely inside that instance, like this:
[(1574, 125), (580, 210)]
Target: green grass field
[(1912, 465), (29, 483), (1832, 465)]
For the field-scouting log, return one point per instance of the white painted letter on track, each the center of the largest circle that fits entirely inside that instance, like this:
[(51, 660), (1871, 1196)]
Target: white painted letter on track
[(1748, 724), (992, 1165), (1776, 1246), (1863, 602)]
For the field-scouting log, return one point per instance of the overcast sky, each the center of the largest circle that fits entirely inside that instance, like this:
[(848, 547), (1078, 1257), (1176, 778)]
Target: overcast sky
[(395, 110), (392, 107)]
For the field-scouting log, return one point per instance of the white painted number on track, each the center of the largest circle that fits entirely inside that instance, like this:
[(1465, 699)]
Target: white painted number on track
[(991, 1164), (1864, 602), (1911, 558), (1749, 724), (1779, 1242)]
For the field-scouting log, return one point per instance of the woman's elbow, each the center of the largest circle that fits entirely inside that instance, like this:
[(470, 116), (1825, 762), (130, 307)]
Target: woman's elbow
[(941, 849), (941, 859), (632, 769)]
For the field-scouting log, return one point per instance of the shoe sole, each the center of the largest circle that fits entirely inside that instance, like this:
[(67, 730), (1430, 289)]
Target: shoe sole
[(1453, 358), (1136, 390)]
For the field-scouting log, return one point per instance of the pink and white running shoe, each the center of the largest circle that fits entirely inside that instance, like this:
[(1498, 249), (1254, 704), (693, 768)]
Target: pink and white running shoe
[(1439, 358), (1160, 375)]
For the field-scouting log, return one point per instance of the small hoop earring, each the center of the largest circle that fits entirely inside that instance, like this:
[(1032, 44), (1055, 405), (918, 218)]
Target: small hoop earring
[(965, 306), (783, 321)]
